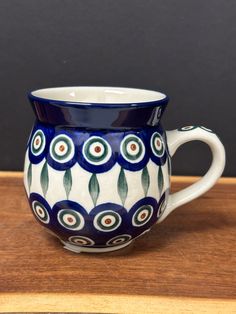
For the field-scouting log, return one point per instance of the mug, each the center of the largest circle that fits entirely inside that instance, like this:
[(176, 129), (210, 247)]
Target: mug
[(98, 164)]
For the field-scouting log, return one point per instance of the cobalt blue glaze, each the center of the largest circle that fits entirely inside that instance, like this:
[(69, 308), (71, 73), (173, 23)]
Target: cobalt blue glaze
[(81, 156), (113, 138), (97, 115), (100, 238)]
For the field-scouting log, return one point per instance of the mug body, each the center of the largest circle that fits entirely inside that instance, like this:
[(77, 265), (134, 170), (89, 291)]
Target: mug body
[(97, 188)]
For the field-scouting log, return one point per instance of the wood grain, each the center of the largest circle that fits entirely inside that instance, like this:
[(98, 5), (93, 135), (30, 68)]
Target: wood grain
[(191, 255)]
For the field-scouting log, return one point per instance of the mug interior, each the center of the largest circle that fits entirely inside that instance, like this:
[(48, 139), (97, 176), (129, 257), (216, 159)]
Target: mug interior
[(99, 95)]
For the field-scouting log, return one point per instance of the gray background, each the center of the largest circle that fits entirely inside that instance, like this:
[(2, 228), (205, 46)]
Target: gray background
[(184, 48)]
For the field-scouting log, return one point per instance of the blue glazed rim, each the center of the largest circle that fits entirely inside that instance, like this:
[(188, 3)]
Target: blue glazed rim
[(54, 109), (107, 105)]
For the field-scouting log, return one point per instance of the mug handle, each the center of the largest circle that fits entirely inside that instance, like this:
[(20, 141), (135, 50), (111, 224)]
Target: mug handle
[(175, 139)]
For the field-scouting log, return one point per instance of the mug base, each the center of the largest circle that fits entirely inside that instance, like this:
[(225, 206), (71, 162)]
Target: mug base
[(83, 249)]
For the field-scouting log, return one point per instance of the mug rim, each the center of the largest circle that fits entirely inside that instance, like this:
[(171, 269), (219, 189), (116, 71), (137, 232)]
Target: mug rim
[(150, 97)]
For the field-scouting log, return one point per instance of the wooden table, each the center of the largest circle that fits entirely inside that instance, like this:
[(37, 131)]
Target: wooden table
[(187, 264)]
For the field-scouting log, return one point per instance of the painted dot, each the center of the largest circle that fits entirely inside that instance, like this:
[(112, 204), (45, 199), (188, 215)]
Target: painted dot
[(132, 148), (97, 149), (157, 144), (143, 215), (108, 221), (41, 212), (70, 219), (124, 238), (38, 143), (62, 148), (187, 128), (82, 241)]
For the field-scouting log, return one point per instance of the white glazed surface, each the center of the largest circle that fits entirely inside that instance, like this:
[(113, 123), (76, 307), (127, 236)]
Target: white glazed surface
[(175, 139), (88, 94), (107, 181)]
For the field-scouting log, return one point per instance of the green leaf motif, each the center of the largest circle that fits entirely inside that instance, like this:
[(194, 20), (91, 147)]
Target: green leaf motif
[(44, 179), (160, 180), (94, 188), (145, 180), (67, 182), (29, 176), (122, 186)]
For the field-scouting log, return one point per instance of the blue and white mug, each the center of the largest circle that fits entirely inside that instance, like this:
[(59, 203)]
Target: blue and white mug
[(98, 164)]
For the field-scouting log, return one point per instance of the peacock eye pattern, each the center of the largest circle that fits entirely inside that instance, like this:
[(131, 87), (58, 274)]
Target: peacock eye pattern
[(62, 151), (39, 143), (96, 152), (41, 209), (106, 225)]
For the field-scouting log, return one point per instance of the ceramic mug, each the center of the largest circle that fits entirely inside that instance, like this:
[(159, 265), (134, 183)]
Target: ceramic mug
[(98, 164)]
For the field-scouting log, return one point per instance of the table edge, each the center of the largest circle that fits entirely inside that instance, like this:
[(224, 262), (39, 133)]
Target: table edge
[(111, 303)]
